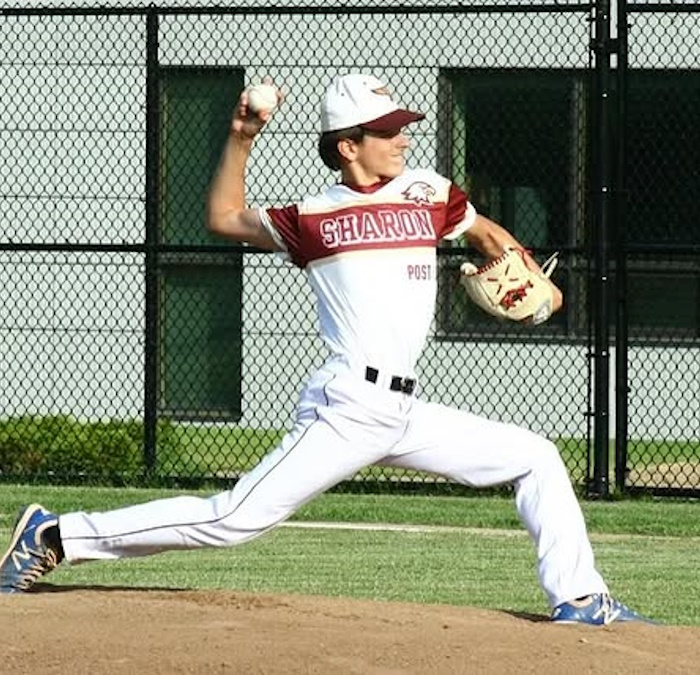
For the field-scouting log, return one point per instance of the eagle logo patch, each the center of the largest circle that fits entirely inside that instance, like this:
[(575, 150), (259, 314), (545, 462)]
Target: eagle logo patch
[(420, 193)]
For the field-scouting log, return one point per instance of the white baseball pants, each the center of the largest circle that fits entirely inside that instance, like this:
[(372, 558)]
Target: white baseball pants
[(344, 424)]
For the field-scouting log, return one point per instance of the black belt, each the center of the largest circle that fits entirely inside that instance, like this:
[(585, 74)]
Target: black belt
[(403, 384)]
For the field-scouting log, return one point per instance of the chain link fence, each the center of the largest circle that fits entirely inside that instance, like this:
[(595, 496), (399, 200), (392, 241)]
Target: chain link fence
[(658, 303), (138, 348)]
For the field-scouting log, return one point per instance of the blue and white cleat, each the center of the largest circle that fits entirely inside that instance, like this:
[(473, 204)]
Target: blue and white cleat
[(599, 609), (29, 557)]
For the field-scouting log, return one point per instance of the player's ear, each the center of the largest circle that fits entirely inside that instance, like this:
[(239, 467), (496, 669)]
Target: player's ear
[(347, 149)]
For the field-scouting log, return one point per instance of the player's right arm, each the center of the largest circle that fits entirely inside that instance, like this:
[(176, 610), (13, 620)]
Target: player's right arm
[(227, 212)]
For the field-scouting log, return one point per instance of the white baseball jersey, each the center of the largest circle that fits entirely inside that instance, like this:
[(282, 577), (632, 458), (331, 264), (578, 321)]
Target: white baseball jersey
[(371, 260)]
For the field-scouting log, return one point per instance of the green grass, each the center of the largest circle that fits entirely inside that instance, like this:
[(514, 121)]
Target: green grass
[(648, 550), (212, 451), (226, 452), (203, 450)]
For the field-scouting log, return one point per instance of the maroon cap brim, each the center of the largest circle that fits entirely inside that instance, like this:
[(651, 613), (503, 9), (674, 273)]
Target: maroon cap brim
[(394, 120)]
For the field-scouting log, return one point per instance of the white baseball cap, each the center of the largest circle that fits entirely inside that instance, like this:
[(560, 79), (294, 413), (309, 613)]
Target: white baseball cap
[(358, 100)]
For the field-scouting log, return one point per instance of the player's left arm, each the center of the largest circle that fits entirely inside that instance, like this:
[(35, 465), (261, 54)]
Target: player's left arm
[(490, 239)]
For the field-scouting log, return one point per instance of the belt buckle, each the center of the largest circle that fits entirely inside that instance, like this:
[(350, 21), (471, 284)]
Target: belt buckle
[(408, 385), (405, 385)]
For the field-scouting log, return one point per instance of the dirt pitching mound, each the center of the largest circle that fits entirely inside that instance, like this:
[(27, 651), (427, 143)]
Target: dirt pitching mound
[(116, 631)]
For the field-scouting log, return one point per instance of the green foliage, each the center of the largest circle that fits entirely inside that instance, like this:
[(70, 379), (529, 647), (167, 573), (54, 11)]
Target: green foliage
[(62, 449), (63, 446)]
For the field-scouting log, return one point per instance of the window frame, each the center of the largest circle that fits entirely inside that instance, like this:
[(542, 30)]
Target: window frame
[(567, 326), (573, 324)]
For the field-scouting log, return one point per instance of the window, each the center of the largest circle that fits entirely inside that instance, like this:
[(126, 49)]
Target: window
[(199, 293), (518, 147), (663, 205), (519, 143)]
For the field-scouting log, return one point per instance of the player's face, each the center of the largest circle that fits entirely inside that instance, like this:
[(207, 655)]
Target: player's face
[(381, 155)]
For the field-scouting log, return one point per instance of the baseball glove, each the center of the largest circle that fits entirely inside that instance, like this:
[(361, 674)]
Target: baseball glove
[(508, 289)]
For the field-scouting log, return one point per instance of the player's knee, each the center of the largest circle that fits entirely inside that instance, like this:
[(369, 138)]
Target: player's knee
[(545, 455)]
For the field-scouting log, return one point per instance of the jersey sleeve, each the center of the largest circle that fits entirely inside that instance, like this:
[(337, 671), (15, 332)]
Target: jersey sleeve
[(461, 214), (283, 226)]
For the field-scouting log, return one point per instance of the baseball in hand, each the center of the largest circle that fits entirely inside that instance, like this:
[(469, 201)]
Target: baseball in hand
[(262, 98)]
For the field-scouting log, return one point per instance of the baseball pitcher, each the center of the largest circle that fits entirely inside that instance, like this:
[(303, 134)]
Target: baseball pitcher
[(368, 246)]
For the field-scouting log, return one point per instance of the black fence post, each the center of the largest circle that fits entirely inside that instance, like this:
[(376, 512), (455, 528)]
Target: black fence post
[(621, 310), (151, 257), (601, 275)]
